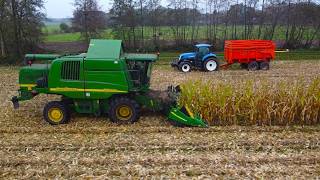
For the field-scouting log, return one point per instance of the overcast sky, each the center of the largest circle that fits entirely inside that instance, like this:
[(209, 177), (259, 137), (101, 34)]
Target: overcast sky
[(64, 8)]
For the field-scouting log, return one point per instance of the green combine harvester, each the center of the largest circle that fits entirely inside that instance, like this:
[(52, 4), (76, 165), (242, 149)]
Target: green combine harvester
[(103, 81)]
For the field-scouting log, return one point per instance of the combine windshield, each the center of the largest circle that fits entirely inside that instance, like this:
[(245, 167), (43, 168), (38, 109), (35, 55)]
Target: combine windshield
[(139, 67), (140, 72)]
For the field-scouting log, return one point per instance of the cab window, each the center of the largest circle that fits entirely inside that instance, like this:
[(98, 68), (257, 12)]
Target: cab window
[(202, 51)]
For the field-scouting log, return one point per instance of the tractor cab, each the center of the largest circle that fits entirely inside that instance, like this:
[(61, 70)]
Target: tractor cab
[(202, 58), (202, 50)]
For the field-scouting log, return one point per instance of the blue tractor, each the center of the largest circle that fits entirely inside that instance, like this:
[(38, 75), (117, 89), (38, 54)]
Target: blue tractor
[(202, 59)]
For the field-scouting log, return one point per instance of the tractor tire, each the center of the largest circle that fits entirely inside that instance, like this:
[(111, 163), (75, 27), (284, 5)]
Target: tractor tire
[(211, 65), (185, 67), (244, 66), (56, 112), (264, 65), (253, 66), (123, 110)]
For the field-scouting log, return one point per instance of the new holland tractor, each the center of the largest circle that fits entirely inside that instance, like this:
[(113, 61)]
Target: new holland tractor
[(202, 58), (103, 81)]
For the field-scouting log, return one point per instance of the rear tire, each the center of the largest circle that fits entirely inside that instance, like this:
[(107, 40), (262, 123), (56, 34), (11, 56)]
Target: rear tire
[(264, 65), (185, 67), (253, 66), (56, 112), (211, 65), (123, 110)]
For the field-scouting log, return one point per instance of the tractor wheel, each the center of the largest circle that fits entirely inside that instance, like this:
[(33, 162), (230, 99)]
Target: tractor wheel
[(264, 65), (56, 112), (244, 66), (253, 66), (124, 110), (185, 67), (211, 65)]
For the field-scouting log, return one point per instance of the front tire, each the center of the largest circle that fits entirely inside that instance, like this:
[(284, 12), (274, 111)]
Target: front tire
[(123, 110), (185, 67), (211, 65), (56, 113)]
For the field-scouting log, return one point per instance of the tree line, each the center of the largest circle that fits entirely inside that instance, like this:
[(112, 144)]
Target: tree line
[(297, 20)]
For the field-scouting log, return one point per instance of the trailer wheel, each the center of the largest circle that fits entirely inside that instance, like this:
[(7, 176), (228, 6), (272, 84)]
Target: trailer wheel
[(244, 66), (124, 110), (264, 65), (56, 112), (253, 66), (185, 67), (211, 65)]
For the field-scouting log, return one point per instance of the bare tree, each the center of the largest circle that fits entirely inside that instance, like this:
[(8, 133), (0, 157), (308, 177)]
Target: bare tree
[(142, 4), (20, 30), (274, 14), (2, 30), (124, 20), (88, 19)]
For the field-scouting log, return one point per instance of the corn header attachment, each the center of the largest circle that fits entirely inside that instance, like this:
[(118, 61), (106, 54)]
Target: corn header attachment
[(166, 102), (103, 81)]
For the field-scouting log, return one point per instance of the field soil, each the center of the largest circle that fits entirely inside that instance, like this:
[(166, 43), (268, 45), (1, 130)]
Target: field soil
[(65, 47), (91, 146)]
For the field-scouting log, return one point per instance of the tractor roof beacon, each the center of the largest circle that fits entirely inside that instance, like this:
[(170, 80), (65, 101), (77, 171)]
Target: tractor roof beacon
[(105, 80)]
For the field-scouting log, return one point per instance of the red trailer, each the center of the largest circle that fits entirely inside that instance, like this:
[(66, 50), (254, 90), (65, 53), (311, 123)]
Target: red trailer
[(251, 54)]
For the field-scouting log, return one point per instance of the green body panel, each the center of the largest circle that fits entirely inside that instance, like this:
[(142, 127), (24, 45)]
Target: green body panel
[(30, 74), (104, 49), (105, 77), (87, 106), (66, 87)]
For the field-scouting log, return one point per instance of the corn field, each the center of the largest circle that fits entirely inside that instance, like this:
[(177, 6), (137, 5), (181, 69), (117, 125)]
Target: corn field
[(251, 103)]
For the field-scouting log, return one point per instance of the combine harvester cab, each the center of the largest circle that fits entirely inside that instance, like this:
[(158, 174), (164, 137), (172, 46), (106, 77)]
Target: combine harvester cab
[(250, 54), (103, 81)]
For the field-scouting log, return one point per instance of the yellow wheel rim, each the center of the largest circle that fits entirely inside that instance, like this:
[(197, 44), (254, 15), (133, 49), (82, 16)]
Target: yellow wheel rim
[(55, 114), (124, 112)]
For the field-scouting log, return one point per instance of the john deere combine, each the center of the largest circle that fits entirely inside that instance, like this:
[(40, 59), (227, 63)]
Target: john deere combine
[(103, 81)]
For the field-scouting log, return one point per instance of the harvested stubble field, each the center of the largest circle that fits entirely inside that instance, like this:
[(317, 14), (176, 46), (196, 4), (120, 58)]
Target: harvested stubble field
[(93, 147)]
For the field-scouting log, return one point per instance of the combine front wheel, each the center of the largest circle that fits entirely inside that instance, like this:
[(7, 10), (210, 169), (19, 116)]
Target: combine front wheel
[(56, 112), (124, 110)]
